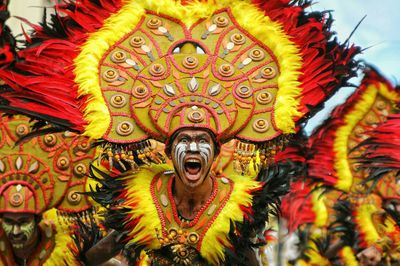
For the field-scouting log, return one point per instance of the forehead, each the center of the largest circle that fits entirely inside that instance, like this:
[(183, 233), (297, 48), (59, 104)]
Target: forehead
[(18, 216), (194, 133)]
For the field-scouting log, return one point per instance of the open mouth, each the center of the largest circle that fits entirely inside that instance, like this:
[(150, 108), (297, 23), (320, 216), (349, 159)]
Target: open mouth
[(192, 169), (18, 242)]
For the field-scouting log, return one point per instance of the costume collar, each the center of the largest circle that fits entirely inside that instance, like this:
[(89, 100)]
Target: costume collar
[(148, 200)]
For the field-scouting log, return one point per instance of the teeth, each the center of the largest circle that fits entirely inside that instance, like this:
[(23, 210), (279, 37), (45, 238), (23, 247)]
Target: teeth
[(18, 246), (193, 161)]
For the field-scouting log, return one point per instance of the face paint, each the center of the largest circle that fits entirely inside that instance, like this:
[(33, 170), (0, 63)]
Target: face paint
[(193, 147), (192, 156), (180, 153), (205, 151), (182, 149), (14, 231)]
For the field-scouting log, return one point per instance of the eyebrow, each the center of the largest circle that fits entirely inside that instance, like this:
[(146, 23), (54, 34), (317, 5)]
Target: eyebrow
[(193, 136)]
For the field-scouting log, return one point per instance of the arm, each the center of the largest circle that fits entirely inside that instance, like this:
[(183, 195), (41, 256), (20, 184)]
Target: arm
[(104, 250), (250, 254)]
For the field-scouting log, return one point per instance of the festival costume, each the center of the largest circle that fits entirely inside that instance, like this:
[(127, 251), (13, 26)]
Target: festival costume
[(380, 159), (335, 164), (44, 173), (129, 71)]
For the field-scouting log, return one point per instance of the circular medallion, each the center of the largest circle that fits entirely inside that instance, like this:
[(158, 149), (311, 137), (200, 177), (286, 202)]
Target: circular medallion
[(62, 163), (140, 91), (256, 54), (195, 116), (371, 120), (182, 252), (22, 130), (381, 105), (244, 91), (221, 21), (264, 98), (260, 125), (110, 75), (74, 198), (190, 62), (156, 70), (118, 101), (154, 23), (84, 146), (16, 199), (238, 38), (124, 128), (118, 57), (50, 140), (80, 170), (172, 232), (268, 72), (193, 238), (226, 70), (137, 41)]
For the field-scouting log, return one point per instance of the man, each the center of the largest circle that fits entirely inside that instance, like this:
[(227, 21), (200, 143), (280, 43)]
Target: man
[(141, 70), (36, 176), (27, 239), (22, 232)]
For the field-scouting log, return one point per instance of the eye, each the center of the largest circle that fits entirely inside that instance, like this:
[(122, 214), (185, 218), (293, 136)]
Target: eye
[(184, 140), (203, 141), (7, 221)]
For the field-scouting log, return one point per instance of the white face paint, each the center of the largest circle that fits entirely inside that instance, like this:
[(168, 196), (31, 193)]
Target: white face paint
[(182, 148), (19, 234), (193, 155)]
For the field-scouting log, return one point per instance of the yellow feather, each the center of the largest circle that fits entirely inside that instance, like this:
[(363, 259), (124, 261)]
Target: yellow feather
[(319, 208), (363, 106), (143, 207), (340, 145), (365, 222), (315, 257), (211, 248), (61, 254), (348, 256), (86, 65)]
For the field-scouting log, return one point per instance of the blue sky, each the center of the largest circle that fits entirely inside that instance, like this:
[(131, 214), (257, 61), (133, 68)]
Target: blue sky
[(380, 31)]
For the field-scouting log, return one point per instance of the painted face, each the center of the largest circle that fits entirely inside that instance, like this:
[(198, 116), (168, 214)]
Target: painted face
[(192, 155), (20, 229)]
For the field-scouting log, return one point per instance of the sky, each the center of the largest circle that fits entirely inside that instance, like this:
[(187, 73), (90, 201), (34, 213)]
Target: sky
[(378, 34)]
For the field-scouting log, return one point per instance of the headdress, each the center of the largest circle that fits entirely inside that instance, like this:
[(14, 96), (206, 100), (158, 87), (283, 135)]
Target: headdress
[(44, 172), (127, 71), (335, 153), (381, 158), (332, 146)]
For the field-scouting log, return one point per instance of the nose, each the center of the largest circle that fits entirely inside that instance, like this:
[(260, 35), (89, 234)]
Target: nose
[(193, 147), (16, 230)]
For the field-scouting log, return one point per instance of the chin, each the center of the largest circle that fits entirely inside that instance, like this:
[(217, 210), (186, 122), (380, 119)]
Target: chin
[(193, 184)]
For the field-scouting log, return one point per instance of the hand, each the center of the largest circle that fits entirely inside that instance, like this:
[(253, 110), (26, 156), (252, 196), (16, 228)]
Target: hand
[(370, 256)]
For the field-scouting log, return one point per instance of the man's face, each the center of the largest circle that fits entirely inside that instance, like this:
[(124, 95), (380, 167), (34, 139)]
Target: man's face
[(20, 229), (192, 154)]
